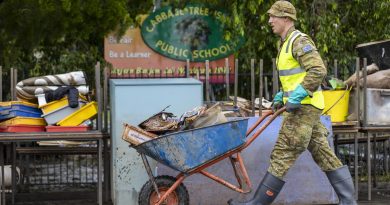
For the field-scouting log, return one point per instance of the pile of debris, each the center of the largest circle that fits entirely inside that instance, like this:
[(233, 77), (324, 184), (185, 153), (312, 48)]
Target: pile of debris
[(166, 122)]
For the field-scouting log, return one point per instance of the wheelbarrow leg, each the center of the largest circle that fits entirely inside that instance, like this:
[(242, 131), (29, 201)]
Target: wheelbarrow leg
[(150, 174), (240, 171), (238, 174)]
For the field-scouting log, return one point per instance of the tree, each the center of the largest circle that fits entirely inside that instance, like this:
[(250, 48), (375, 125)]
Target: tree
[(48, 36)]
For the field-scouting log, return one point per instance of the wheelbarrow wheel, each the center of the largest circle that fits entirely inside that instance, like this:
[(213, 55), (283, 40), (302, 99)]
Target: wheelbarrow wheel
[(148, 195)]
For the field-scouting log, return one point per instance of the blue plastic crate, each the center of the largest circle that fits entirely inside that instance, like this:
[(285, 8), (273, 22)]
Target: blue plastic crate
[(7, 114), (19, 105)]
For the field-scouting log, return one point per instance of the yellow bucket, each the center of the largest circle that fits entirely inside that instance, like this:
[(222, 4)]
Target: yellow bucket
[(336, 104)]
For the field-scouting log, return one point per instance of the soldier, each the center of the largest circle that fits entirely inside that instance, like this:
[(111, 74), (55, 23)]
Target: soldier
[(301, 71)]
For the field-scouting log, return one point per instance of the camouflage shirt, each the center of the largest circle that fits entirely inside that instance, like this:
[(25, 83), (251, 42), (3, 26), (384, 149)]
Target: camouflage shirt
[(305, 52)]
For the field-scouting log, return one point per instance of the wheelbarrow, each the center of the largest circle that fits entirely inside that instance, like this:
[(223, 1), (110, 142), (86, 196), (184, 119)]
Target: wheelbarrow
[(191, 152)]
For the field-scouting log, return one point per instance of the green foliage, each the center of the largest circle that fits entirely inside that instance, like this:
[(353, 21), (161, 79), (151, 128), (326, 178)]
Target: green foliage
[(51, 36)]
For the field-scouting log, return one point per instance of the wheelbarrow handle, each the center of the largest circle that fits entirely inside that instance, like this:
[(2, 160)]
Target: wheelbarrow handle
[(280, 111), (263, 127)]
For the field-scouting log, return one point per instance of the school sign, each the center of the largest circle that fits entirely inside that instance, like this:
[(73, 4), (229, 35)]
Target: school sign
[(166, 39), (194, 32)]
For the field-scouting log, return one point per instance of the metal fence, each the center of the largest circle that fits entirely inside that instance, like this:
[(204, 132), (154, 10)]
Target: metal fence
[(379, 156), (57, 169)]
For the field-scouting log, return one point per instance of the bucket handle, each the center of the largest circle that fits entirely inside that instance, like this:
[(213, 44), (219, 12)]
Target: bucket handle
[(346, 90)]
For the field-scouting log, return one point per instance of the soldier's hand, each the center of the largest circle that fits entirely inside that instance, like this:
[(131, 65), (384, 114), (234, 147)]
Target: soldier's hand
[(294, 101), (292, 107), (276, 106), (277, 102)]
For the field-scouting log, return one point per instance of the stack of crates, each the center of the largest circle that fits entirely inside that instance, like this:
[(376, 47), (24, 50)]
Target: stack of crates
[(60, 117), (18, 116)]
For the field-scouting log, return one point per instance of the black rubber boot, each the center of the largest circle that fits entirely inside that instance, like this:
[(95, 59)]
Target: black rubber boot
[(341, 181), (265, 194)]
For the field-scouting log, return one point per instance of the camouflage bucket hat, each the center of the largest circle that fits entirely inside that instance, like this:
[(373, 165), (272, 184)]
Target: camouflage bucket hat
[(283, 9)]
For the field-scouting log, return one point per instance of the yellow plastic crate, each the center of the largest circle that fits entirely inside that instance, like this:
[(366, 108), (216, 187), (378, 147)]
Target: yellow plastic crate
[(57, 104), (23, 121), (86, 112)]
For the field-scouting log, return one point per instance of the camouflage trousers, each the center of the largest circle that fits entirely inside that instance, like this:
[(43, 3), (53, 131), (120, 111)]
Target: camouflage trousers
[(302, 130)]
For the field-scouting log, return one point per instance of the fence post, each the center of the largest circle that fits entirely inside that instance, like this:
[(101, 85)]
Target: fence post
[(207, 81), (15, 82), (356, 162), (105, 141), (275, 85), (266, 87), (364, 92), (261, 87), (253, 86), (357, 97), (12, 78), (357, 110), (227, 78), (369, 165), (98, 96), (105, 97), (235, 82)]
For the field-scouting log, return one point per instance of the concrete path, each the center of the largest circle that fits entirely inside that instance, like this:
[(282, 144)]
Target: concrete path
[(379, 197)]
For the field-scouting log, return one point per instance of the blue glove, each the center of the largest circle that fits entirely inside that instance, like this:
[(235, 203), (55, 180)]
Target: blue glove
[(277, 103), (294, 101)]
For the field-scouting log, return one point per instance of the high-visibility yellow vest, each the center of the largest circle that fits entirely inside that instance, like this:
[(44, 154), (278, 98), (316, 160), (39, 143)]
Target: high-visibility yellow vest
[(291, 73)]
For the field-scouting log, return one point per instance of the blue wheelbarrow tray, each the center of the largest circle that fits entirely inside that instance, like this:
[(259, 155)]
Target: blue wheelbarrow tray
[(186, 150)]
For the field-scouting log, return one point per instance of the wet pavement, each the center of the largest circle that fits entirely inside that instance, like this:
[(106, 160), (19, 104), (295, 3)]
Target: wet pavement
[(379, 196), (375, 201)]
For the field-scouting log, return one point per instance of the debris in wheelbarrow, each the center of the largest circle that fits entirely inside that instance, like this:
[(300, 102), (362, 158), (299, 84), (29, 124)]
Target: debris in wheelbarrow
[(160, 123), (204, 117), (188, 117), (165, 122)]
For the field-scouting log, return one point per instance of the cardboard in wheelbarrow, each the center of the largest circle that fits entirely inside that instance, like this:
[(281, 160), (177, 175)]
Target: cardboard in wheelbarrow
[(186, 150), (135, 135)]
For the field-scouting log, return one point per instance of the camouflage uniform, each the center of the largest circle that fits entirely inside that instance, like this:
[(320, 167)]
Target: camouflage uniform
[(303, 129)]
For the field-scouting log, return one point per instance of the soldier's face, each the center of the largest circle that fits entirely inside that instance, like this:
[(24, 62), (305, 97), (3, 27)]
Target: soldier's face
[(277, 24)]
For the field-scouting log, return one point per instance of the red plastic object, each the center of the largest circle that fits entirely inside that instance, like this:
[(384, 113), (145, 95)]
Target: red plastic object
[(22, 128), (67, 128)]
